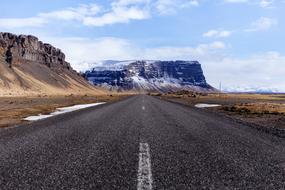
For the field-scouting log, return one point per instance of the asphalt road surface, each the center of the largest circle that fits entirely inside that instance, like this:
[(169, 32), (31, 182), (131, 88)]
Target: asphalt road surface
[(140, 143)]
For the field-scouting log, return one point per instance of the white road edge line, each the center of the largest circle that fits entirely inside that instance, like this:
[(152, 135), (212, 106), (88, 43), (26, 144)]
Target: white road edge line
[(144, 170)]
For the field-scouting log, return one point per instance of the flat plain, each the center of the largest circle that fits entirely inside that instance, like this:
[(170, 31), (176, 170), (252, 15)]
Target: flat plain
[(265, 110), (14, 109)]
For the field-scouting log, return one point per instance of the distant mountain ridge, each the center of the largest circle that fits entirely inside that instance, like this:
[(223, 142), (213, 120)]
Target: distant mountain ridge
[(149, 75), (31, 67), (252, 89)]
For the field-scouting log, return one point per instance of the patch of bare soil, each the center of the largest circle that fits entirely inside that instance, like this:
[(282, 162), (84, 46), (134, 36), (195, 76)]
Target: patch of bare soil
[(14, 109)]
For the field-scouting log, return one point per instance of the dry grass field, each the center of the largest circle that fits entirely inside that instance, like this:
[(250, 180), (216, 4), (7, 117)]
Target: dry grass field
[(266, 110), (14, 109)]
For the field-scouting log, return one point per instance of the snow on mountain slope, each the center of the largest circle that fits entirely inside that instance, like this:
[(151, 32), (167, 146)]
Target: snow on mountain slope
[(150, 75)]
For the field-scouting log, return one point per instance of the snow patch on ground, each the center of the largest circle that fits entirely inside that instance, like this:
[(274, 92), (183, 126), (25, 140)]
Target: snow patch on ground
[(206, 105), (62, 111)]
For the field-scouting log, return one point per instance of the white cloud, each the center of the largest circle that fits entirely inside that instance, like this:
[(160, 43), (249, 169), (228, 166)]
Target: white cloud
[(82, 53), (236, 1), (118, 15), (130, 2), (78, 13), (218, 33), (182, 53), (266, 3), (122, 11), (264, 70), (262, 24), (68, 14), (167, 7), (119, 11), (261, 3), (22, 22)]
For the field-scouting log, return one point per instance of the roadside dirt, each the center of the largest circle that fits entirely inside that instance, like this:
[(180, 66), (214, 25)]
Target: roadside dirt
[(262, 110), (14, 109)]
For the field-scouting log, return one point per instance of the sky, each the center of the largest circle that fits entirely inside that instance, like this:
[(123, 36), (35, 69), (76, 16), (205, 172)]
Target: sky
[(240, 43)]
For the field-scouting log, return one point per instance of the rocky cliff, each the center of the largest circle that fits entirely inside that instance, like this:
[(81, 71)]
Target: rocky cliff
[(29, 66), (18, 49), (162, 76)]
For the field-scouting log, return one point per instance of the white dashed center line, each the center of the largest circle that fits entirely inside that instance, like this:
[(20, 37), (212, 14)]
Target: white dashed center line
[(144, 171)]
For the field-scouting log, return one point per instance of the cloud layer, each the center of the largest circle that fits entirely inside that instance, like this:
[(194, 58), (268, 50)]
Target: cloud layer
[(261, 3), (119, 11), (218, 33), (262, 24)]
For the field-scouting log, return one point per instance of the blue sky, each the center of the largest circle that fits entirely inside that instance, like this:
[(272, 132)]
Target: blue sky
[(238, 42)]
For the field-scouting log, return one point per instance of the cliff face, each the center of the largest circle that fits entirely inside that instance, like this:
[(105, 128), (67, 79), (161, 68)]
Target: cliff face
[(18, 49), (31, 67), (163, 76)]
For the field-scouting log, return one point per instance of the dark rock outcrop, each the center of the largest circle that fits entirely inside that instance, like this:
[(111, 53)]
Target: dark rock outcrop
[(16, 49), (30, 67), (163, 76)]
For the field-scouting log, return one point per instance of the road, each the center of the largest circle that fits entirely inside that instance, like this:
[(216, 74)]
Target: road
[(140, 142)]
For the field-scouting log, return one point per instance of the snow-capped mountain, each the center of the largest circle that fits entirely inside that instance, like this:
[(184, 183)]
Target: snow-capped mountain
[(251, 89), (149, 75)]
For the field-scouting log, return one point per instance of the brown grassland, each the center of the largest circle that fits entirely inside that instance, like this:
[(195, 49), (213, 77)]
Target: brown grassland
[(14, 109), (266, 110)]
